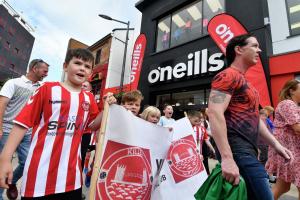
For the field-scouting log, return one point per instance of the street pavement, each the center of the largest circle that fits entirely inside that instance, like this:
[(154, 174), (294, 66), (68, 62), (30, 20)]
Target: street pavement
[(291, 195)]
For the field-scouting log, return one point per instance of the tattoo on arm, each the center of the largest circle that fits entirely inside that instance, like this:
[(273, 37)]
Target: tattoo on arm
[(217, 97)]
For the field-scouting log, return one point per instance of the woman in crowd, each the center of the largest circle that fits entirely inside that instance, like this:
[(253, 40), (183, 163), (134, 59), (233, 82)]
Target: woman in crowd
[(287, 132)]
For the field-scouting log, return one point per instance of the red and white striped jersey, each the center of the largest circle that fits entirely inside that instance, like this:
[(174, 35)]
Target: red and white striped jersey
[(200, 134), (93, 138), (58, 118)]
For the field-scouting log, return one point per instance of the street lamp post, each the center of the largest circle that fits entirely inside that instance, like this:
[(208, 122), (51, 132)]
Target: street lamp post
[(125, 48)]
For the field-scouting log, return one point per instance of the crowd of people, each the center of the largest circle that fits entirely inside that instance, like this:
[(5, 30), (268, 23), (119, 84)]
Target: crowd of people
[(53, 126)]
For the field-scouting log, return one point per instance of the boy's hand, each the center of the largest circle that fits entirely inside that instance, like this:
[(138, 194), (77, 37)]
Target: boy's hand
[(6, 173), (109, 98)]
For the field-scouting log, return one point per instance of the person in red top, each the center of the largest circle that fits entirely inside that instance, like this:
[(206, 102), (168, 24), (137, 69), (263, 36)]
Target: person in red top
[(200, 133), (86, 137), (234, 119), (58, 113)]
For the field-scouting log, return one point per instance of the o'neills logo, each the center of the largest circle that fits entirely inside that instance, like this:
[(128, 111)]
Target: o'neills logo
[(184, 159), (125, 173), (197, 63), (222, 28), (137, 61)]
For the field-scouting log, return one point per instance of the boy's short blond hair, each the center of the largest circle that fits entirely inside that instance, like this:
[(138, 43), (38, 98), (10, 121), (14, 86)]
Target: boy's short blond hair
[(134, 95), (148, 111)]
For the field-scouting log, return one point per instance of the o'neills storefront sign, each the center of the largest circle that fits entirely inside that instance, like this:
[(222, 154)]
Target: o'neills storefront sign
[(194, 64)]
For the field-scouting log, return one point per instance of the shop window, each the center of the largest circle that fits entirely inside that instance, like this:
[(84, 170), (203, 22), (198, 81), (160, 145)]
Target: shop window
[(163, 34), (293, 11), (210, 9), (98, 56), (185, 99), (186, 24), (297, 77), (207, 93), (189, 98), (163, 99)]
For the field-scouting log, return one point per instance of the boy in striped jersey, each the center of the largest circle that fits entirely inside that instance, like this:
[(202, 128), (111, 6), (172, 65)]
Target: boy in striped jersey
[(58, 113)]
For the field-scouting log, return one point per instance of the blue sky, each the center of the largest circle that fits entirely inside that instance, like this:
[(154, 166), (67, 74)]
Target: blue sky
[(57, 21)]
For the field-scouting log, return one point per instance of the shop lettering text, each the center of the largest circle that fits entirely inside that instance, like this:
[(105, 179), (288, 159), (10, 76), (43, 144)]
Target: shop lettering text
[(224, 31), (198, 63), (135, 62)]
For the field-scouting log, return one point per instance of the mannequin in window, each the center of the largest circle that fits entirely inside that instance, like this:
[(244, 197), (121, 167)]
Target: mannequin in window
[(188, 25), (177, 35), (165, 40)]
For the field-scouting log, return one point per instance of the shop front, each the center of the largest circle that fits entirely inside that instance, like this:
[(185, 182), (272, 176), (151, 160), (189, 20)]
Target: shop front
[(283, 67), (181, 58)]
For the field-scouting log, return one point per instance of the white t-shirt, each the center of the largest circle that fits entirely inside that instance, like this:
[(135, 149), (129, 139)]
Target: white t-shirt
[(163, 121), (18, 90)]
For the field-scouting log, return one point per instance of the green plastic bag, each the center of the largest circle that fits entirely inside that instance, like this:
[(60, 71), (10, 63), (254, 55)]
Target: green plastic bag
[(217, 188)]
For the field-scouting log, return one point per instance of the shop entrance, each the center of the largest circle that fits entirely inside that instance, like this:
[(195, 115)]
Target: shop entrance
[(184, 101)]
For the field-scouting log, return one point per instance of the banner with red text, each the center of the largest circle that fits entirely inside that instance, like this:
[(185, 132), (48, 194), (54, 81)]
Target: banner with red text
[(222, 28), (137, 61), (145, 161), (182, 172), (136, 67), (133, 149)]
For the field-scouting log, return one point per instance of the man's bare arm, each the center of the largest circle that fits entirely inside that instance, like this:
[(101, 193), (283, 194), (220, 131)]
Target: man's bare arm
[(218, 103)]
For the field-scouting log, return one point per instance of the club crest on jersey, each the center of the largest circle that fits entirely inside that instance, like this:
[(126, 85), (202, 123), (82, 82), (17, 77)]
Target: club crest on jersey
[(125, 173), (86, 106), (184, 159)]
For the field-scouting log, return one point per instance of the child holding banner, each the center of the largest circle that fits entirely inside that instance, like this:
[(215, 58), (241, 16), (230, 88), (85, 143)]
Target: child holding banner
[(132, 101), (200, 131), (151, 114), (58, 113)]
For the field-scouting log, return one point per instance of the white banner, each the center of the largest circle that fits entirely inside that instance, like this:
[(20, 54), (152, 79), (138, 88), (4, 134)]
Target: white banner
[(133, 148), (183, 172), (143, 161)]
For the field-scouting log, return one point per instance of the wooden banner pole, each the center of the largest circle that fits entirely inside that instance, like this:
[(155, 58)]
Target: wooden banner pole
[(98, 154)]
